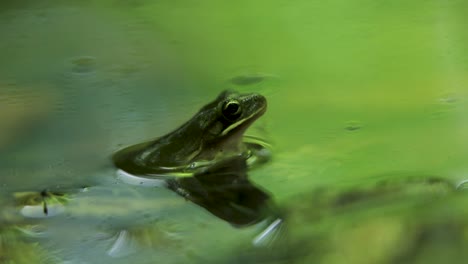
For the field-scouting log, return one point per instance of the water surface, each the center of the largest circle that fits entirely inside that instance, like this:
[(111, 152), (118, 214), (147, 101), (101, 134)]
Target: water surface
[(359, 92)]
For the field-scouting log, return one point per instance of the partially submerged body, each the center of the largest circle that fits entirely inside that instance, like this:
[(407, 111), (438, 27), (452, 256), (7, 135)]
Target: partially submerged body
[(213, 134)]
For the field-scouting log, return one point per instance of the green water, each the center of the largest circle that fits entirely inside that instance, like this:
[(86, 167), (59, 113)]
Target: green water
[(358, 92)]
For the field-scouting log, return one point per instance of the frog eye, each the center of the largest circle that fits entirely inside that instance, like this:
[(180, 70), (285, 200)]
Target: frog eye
[(231, 110)]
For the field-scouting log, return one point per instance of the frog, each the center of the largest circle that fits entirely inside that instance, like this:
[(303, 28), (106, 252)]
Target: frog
[(214, 133)]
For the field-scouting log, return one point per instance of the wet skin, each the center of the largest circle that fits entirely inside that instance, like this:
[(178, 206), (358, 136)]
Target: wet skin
[(212, 134)]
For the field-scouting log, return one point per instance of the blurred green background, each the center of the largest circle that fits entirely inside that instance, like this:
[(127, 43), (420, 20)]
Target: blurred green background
[(358, 91)]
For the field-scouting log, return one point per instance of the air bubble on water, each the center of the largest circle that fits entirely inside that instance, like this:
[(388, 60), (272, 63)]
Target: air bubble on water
[(449, 98), (83, 65), (251, 78), (353, 125)]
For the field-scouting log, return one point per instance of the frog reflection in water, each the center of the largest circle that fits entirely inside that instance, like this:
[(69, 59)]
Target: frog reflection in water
[(214, 133)]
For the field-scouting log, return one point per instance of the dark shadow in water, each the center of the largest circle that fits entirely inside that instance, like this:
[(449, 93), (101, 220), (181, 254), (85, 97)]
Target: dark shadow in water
[(243, 80), (224, 190)]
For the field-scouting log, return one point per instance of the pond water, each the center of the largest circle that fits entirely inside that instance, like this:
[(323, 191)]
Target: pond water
[(367, 117)]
